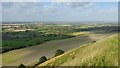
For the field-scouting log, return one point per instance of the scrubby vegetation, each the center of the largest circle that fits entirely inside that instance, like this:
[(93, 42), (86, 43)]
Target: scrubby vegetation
[(100, 28), (42, 59), (21, 66), (59, 52)]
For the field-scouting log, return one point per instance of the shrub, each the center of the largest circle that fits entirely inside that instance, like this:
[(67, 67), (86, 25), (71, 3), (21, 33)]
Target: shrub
[(93, 41), (26, 30), (59, 52), (30, 45), (21, 66), (42, 59)]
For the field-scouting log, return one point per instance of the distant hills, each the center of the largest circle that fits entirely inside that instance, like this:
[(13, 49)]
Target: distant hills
[(62, 22)]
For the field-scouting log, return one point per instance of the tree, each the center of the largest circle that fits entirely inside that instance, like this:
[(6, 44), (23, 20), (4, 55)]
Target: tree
[(26, 30), (21, 66), (93, 41), (59, 52), (42, 59)]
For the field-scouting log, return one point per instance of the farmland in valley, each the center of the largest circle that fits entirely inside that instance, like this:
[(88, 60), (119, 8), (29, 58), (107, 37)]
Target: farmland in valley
[(28, 46)]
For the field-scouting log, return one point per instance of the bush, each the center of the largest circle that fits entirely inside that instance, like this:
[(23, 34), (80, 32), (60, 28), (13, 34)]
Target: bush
[(26, 30), (21, 66), (42, 59), (59, 52), (93, 41)]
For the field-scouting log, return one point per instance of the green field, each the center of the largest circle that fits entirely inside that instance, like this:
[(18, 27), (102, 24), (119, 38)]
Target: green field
[(26, 47), (31, 54), (30, 36), (39, 35), (59, 34), (34, 52), (101, 53)]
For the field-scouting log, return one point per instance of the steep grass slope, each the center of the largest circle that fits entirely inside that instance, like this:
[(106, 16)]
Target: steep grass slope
[(101, 53)]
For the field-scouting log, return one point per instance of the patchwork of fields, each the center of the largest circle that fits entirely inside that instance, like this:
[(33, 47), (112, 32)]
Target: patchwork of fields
[(59, 34), (26, 47)]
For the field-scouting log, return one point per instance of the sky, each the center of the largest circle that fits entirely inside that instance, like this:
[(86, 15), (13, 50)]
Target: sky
[(59, 11)]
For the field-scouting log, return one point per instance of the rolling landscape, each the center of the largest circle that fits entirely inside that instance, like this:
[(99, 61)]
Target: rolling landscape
[(26, 47), (97, 54), (51, 37)]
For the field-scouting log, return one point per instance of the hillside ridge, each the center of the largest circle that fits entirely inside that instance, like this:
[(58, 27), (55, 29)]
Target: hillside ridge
[(100, 53)]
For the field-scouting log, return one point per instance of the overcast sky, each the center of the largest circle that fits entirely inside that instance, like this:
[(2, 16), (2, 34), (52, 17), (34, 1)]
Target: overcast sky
[(59, 11)]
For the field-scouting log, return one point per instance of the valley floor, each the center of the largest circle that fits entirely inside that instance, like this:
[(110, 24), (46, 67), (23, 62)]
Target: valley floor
[(30, 55)]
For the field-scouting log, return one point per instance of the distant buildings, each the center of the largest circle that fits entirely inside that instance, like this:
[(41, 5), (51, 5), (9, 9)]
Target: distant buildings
[(11, 25)]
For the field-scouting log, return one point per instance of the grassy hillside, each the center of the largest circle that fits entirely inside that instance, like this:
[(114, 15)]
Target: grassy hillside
[(31, 55), (101, 53)]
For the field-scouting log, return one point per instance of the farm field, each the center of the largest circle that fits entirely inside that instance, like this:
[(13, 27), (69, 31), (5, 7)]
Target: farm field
[(31, 54), (34, 34), (101, 53), (27, 38), (26, 47), (59, 34)]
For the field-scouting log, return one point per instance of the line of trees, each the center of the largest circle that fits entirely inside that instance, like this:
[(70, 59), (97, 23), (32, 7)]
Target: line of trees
[(102, 28)]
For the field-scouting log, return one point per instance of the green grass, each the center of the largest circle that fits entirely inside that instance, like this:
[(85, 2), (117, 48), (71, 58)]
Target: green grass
[(26, 40), (12, 39), (101, 53), (32, 54), (17, 40)]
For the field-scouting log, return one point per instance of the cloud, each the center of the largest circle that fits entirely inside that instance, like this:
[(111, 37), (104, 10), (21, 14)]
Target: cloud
[(73, 4), (20, 0), (58, 11), (41, 6), (103, 15), (20, 4), (86, 0), (7, 4), (60, 0), (79, 4), (44, 6), (64, 0)]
